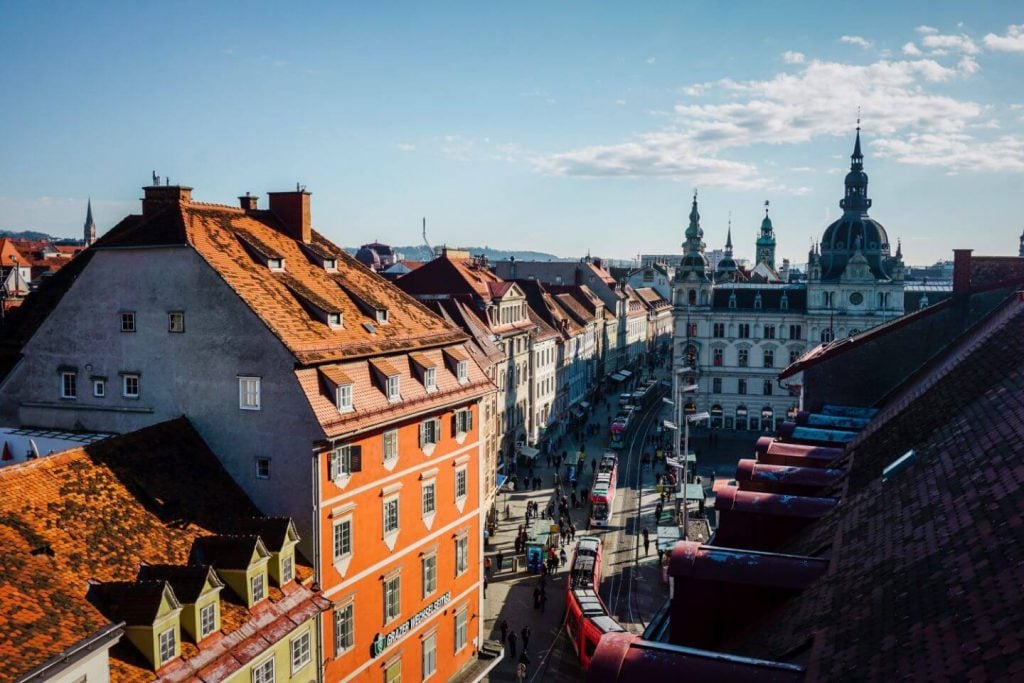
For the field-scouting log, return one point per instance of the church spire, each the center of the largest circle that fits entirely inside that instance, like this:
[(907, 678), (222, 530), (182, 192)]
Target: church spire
[(856, 197), (89, 230), (728, 237), (693, 246)]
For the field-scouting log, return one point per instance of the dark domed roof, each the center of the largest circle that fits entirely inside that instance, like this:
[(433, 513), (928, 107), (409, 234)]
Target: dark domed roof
[(368, 257), (853, 232)]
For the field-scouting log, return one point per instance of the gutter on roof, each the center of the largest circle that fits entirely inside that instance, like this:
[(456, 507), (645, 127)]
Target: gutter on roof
[(58, 663)]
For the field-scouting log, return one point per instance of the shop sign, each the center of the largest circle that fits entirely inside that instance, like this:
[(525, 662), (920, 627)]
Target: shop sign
[(382, 642)]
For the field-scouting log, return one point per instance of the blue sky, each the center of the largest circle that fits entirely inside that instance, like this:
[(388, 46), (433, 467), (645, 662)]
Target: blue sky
[(570, 128)]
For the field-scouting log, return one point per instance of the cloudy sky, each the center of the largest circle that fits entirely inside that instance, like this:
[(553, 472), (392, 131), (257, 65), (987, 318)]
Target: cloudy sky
[(567, 129)]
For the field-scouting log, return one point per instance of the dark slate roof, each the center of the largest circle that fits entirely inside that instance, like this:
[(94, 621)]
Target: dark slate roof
[(134, 602), (273, 530), (225, 551), (187, 580), (927, 567), (770, 297)]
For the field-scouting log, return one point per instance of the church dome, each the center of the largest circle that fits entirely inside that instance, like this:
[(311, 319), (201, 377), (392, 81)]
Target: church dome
[(855, 231)]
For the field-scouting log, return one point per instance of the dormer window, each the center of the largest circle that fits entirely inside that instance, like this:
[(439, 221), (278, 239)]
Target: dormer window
[(732, 300), (207, 620), (330, 264), (258, 584), (393, 392), (757, 300), (462, 371), (167, 643), (382, 315), (275, 263), (430, 379), (334, 319), (344, 398)]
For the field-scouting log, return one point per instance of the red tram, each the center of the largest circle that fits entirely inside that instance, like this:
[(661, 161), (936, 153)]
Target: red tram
[(586, 617)]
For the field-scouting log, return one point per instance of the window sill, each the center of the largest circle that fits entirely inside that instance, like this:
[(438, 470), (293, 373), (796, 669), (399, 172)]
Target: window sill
[(390, 539)]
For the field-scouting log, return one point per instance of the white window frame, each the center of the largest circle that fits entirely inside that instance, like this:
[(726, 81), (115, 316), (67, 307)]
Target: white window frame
[(389, 446), (287, 569), (461, 554), (343, 398), (259, 461), (430, 379), (161, 643), (394, 388), (398, 515), (461, 628), (463, 421), (126, 379), (249, 392), (432, 485), (204, 611), (275, 263), (462, 371), (262, 674), (176, 317), (429, 583), (99, 388), (389, 613), (434, 438), (65, 384), (342, 552), (340, 464), (258, 581), (300, 649), (334, 320), (429, 658), (461, 475), (344, 615)]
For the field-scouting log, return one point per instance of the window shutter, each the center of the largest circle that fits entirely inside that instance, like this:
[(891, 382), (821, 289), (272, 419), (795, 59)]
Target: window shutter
[(423, 434), (455, 423), (356, 458), (469, 420), (437, 429), (332, 472)]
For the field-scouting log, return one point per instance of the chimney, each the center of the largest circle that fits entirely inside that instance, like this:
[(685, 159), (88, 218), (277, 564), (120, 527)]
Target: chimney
[(158, 197), (961, 270), (248, 202), (292, 210)]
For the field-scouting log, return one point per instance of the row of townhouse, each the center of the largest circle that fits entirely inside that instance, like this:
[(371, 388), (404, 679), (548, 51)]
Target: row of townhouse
[(556, 336), (329, 396)]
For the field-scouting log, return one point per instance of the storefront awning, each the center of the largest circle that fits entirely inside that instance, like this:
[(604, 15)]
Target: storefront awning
[(528, 452), (625, 373), (617, 377)]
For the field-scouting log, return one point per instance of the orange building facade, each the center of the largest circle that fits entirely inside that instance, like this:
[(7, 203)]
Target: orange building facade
[(400, 548)]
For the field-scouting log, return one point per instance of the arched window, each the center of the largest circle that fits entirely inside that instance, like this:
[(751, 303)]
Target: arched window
[(741, 417), (716, 416), (827, 335), (757, 301), (691, 297), (784, 302), (732, 300)]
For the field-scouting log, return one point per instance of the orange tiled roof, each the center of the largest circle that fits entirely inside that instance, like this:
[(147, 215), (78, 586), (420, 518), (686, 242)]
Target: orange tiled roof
[(97, 512), (371, 406), (226, 237)]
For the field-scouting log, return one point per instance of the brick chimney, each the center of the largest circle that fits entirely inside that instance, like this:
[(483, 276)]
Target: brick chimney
[(961, 270), (292, 210), (248, 202), (158, 197)]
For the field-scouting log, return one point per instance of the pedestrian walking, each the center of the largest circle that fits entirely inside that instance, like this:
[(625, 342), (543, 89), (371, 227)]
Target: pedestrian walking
[(572, 531), (657, 512), (512, 638), (562, 558), (504, 629), (487, 568), (647, 542), (500, 558), (525, 633)]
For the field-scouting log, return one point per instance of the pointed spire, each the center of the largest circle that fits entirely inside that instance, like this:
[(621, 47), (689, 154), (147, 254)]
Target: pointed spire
[(899, 248), (728, 236), (857, 158), (89, 229)]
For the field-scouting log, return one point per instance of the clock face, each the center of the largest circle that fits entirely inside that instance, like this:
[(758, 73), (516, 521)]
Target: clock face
[(856, 298)]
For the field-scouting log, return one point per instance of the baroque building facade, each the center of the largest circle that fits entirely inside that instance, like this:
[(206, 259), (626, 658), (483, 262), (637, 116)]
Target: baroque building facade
[(736, 329)]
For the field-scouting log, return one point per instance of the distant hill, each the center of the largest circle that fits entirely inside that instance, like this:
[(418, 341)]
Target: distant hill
[(29, 235), (420, 253)]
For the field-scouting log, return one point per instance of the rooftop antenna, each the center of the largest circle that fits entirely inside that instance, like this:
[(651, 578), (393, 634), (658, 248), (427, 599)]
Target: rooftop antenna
[(425, 235)]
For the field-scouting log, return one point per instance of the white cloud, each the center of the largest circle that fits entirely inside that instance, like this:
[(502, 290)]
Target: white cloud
[(905, 118), (856, 40), (650, 60), (940, 43), (926, 30), (620, 102), (911, 49), (790, 57), (406, 146), (1013, 41), (955, 152)]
